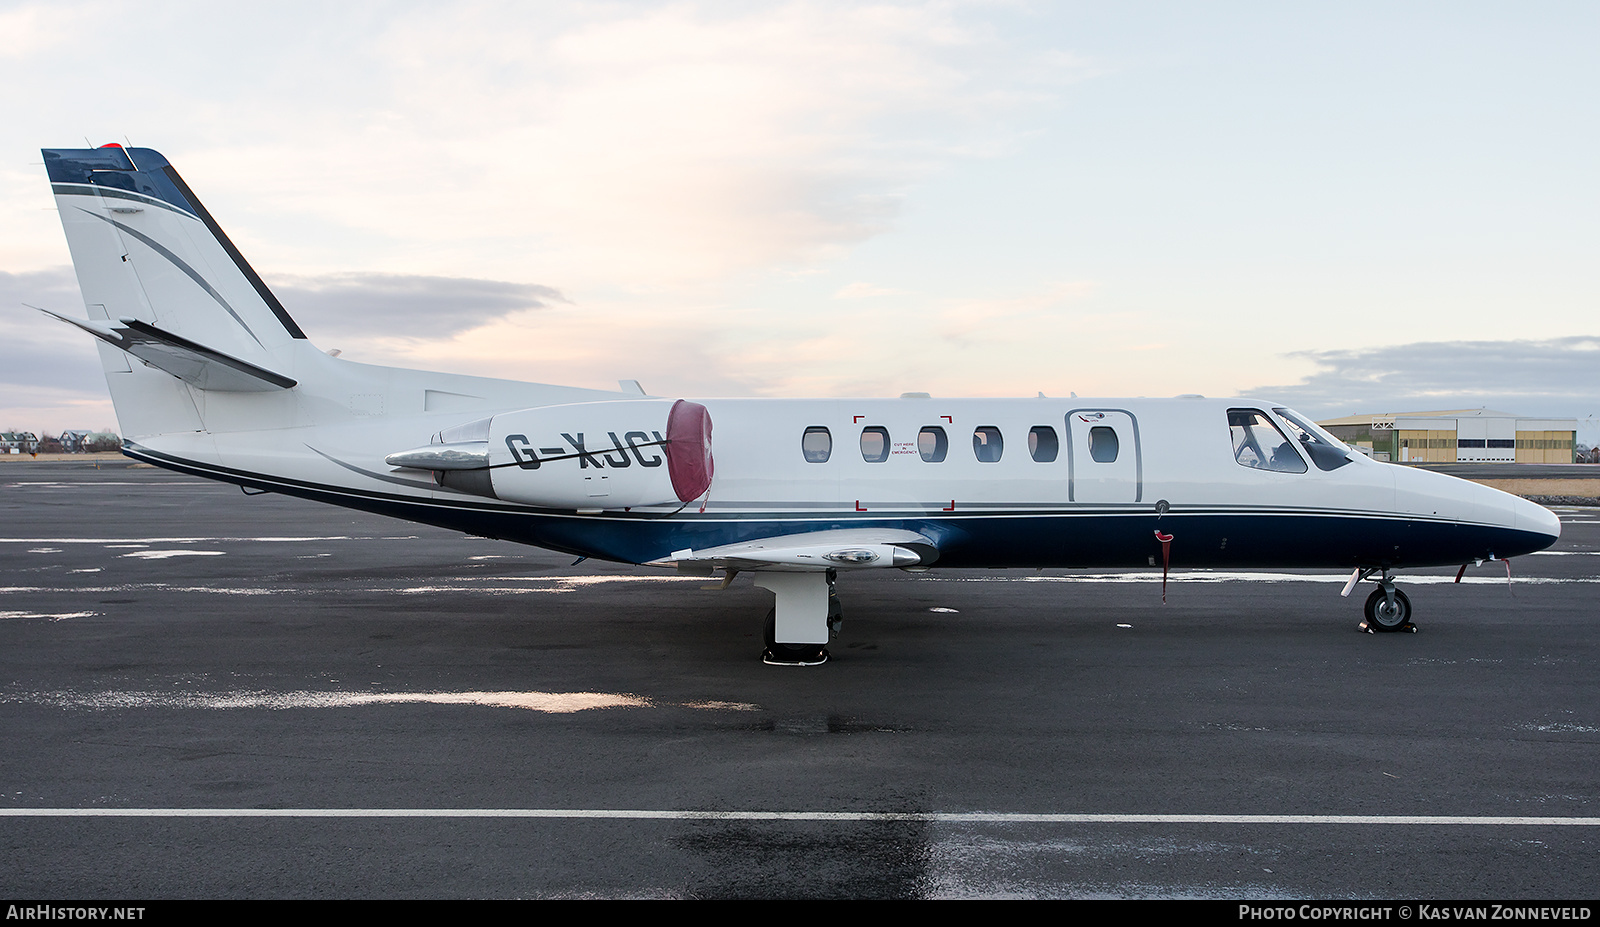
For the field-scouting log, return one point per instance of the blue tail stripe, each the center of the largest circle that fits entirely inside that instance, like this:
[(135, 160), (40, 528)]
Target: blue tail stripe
[(116, 168)]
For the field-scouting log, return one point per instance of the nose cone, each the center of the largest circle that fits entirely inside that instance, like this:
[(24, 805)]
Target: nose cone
[(1536, 519), (1497, 523)]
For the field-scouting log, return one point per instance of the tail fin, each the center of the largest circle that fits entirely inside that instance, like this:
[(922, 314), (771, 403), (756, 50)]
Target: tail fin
[(163, 283)]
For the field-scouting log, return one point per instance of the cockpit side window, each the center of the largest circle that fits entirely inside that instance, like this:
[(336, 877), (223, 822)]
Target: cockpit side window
[(1260, 444)]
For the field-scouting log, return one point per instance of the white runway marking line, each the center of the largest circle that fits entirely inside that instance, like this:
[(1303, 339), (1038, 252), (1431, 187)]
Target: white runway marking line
[(112, 542), (1204, 576), (558, 585), (56, 616), (551, 585), (930, 817), (153, 587), (547, 702), (90, 484)]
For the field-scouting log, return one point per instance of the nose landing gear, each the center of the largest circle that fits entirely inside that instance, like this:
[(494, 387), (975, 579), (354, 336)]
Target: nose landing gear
[(1387, 609)]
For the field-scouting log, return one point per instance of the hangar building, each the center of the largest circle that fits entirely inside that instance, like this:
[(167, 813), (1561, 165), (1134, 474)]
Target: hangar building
[(1459, 435)]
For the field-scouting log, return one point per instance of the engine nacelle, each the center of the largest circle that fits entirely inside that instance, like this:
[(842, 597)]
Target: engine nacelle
[(602, 455)]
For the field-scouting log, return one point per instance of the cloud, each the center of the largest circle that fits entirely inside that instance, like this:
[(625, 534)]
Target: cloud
[(406, 306), (50, 375), (53, 288), (640, 146), (656, 162), (1557, 377), (30, 30), (40, 351), (863, 290), (1051, 313)]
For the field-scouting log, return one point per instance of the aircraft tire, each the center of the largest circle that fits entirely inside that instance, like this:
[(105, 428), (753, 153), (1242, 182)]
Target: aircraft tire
[(1380, 617)]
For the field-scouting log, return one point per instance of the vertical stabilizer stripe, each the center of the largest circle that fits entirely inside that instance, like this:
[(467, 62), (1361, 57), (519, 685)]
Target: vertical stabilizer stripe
[(238, 259), (89, 189), (179, 263)]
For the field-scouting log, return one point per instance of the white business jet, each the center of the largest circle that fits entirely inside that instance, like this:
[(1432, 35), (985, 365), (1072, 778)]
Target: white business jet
[(211, 376)]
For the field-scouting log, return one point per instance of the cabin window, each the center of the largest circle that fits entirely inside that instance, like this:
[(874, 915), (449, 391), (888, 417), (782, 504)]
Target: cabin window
[(1042, 444), (1103, 444), (986, 444), (874, 444), (932, 444), (1258, 444), (816, 444)]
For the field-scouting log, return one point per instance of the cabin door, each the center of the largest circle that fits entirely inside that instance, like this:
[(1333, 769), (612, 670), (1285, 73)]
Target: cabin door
[(1103, 463)]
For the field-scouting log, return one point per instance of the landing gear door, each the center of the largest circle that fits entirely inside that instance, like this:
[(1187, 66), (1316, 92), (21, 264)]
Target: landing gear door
[(1103, 460)]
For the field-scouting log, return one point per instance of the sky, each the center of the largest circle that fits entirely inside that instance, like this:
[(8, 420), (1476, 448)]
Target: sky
[(1352, 207)]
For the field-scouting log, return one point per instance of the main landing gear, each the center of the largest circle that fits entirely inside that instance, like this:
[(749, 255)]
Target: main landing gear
[(805, 615), (1387, 608)]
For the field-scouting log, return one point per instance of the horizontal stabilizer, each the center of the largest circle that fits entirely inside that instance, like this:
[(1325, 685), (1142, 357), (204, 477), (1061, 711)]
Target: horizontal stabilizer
[(195, 364), (843, 549)]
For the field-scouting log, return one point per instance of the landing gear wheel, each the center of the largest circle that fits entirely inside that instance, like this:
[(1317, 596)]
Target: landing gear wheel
[(790, 654), (1382, 617), (835, 616)]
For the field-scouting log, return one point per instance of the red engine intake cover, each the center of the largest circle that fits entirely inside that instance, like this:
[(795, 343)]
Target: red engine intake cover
[(689, 460)]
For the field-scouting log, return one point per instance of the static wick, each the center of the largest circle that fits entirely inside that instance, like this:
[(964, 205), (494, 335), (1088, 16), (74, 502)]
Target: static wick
[(1504, 560)]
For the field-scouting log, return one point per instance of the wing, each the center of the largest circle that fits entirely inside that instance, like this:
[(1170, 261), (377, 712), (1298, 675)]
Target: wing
[(813, 551)]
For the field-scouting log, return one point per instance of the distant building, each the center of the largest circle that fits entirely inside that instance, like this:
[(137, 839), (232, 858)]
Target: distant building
[(83, 441), (1459, 436), (102, 441), (18, 442), (73, 439)]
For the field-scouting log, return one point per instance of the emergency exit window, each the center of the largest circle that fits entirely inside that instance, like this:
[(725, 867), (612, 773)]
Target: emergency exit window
[(874, 444)]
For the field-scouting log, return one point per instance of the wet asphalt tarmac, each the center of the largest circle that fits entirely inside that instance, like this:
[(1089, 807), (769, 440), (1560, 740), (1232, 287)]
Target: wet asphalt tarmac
[(168, 644)]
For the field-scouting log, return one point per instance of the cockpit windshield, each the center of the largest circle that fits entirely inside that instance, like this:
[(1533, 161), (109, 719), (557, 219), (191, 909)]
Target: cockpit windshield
[(1326, 451), (1307, 431)]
